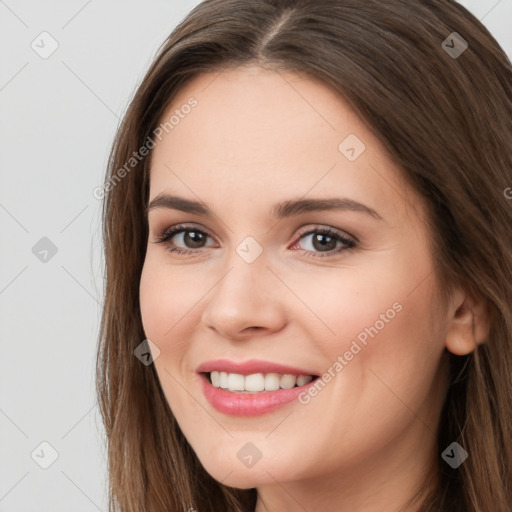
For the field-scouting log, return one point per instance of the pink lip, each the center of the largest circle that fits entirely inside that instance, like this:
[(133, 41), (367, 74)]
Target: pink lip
[(249, 404), (249, 367)]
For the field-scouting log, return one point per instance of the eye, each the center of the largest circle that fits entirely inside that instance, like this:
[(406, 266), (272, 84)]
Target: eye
[(194, 237), (322, 244)]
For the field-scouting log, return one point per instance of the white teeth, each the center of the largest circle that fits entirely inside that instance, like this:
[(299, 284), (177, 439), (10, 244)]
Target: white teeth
[(215, 379), (223, 380), (303, 379), (257, 382), (235, 382), (254, 382), (288, 381), (272, 381)]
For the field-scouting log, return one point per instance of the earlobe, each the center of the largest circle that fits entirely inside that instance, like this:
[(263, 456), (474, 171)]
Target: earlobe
[(469, 326)]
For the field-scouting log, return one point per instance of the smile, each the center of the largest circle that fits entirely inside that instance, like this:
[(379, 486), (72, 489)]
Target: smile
[(256, 382), (253, 403)]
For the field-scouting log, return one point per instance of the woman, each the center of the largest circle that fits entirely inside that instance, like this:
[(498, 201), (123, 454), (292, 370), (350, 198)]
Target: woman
[(308, 264)]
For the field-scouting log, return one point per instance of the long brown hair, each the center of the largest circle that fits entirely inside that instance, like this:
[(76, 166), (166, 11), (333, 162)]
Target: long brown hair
[(445, 118)]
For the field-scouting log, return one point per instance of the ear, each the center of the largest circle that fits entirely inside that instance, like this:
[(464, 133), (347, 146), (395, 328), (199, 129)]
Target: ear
[(469, 324)]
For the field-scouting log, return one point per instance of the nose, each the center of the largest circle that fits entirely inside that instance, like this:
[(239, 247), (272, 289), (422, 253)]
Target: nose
[(247, 301)]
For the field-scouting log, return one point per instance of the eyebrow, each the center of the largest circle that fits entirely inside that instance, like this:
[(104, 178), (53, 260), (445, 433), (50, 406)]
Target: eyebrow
[(280, 210)]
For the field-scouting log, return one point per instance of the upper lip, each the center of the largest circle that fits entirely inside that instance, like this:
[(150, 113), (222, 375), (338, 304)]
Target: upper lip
[(250, 367)]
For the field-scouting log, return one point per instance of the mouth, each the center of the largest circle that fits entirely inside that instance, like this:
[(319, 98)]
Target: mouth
[(246, 395), (256, 382)]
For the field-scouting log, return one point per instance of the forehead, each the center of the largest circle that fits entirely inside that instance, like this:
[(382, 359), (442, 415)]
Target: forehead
[(252, 109), (258, 134)]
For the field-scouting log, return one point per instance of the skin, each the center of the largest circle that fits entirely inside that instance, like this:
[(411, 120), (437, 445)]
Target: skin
[(258, 137)]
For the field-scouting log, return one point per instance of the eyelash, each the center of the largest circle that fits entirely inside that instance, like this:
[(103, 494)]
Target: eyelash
[(165, 236)]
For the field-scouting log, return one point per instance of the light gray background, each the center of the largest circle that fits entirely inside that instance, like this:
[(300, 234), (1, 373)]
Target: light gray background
[(57, 119)]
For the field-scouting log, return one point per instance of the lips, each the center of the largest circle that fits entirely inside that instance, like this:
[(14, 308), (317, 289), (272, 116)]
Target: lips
[(250, 367), (252, 404), (244, 403)]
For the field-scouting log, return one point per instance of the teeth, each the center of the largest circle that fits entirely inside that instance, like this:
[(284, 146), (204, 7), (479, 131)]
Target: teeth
[(223, 379), (303, 379), (236, 382), (272, 381), (254, 382), (288, 381), (215, 377), (257, 382)]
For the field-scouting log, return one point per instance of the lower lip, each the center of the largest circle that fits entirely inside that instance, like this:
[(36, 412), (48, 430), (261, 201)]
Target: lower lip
[(249, 404)]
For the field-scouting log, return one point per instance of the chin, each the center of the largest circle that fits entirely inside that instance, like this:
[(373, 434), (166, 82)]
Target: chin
[(236, 475)]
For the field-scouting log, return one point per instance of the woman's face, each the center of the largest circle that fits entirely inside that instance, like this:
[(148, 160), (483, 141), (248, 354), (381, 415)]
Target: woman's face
[(263, 282)]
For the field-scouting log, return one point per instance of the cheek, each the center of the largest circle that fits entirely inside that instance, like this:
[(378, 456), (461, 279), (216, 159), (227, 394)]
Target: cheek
[(381, 322), (166, 300), (359, 306), (166, 311)]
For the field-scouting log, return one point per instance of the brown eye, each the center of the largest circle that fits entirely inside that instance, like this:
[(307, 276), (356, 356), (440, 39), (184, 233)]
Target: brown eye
[(324, 241), (191, 238)]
